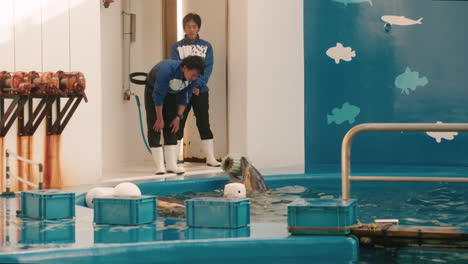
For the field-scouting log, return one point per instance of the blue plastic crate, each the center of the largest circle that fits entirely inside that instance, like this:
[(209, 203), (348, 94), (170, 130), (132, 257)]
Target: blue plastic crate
[(216, 233), (125, 210), (47, 231), (125, 234), (47, 204), (321, 213), (217, 212)]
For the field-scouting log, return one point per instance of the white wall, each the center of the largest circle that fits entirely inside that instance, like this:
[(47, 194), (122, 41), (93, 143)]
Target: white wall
[(274, 81), (265, 77), (237, 75), (112, 113), (51, 35), (145, 52), (123, 146), (213, 30)]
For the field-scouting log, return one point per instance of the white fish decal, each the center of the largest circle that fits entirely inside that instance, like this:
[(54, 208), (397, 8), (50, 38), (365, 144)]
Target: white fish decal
[(401, 20), (341, 53), (438, 136), (346, 2)]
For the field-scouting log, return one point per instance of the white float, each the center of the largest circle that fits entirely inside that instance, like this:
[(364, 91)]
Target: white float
[(126, 189), (98, 193), (235, 190)]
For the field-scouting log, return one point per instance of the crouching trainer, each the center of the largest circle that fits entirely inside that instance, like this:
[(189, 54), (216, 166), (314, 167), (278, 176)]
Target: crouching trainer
[(169, 87)]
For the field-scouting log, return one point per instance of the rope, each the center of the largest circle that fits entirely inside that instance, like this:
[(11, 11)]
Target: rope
[(26, 182), (23, 159), (7, 172)]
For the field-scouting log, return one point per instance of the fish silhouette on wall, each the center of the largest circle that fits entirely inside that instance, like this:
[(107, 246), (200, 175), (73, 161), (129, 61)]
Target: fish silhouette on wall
[(438, 136), (347, 112), (346, 2), (401, 20), (341, 53), (409, 80)]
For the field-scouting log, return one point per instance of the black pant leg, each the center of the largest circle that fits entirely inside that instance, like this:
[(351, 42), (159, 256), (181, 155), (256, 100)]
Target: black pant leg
[(200, 106), (169, 113), (180, 133), (153, 136)]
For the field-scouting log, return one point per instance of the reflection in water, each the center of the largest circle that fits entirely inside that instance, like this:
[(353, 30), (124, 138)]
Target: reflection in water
[(216, 233), (60, 231), (125, 234)]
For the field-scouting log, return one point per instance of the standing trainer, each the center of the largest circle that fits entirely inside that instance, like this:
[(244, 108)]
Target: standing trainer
[(192, 44)]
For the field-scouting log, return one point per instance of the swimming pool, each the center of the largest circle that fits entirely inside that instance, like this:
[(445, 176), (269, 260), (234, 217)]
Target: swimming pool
[(265, 241)]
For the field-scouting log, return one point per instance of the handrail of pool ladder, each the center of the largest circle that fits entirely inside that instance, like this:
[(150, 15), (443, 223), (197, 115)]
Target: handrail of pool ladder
[(394, 127), (7, 171)]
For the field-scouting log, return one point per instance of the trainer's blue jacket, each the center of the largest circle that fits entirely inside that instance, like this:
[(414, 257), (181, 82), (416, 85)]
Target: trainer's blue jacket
[(199, 47), (167, 77)]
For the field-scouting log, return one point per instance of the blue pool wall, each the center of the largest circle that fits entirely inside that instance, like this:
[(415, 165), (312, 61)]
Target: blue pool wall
[(436, 49), (294, 250)]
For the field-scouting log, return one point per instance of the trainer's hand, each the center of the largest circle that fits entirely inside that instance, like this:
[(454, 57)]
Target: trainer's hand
[(158, 125), (196, 91), (175, 125)]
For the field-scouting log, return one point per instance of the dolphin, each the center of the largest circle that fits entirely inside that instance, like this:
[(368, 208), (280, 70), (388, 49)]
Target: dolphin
[(237, 165), (170, 207), (346, 2)]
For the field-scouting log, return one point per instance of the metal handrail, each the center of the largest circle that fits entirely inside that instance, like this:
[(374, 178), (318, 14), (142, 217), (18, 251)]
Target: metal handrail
[(8, 191), (395, 127)]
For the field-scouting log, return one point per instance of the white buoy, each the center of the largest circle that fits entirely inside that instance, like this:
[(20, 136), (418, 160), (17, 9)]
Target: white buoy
[(235, 190), (126, 189), (98, 193)]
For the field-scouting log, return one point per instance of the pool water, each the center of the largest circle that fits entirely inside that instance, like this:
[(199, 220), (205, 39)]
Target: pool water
[(428, 204), (169, 240)]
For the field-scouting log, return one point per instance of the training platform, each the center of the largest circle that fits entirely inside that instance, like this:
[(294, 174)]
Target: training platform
[(411, 236)]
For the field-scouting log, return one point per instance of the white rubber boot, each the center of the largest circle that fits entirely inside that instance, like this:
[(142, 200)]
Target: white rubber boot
[(170, 153), (180, 156), (158, 159), (208, 149)]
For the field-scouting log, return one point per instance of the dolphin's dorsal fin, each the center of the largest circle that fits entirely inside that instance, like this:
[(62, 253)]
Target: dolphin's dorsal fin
[(339, 45)]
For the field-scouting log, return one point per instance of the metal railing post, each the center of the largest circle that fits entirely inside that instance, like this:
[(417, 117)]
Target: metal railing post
[(386, 127)]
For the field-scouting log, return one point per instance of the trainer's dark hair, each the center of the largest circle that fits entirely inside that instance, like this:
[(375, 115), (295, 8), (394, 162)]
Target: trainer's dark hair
[(192, 16), (194, 62)]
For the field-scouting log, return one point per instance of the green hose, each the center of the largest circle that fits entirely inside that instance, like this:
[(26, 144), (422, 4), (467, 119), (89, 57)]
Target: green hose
[(137, 99)]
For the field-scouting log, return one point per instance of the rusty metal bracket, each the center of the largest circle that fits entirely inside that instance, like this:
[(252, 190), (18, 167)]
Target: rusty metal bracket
[(55, 126), (8, 117), (27, 124), (35, 115)]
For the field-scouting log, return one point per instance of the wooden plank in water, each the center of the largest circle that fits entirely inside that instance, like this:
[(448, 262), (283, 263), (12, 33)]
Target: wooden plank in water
[(401, 236)]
